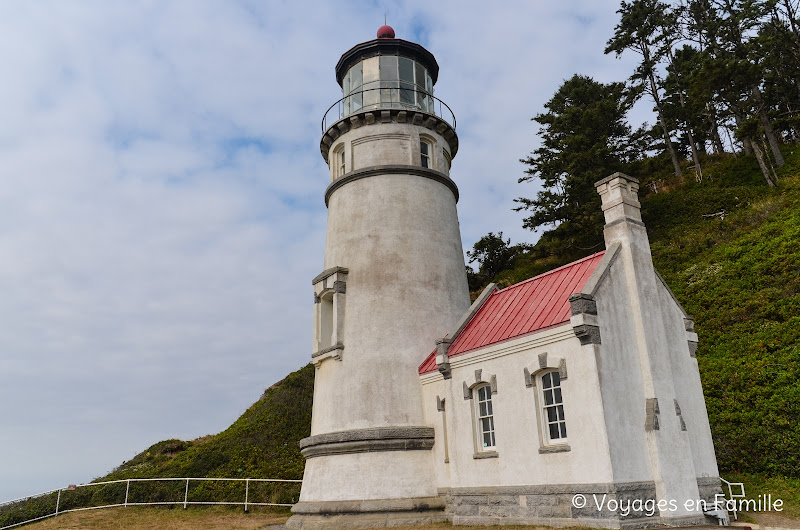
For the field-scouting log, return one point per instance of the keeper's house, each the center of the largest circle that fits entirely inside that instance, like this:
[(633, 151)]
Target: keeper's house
[(582, 380)]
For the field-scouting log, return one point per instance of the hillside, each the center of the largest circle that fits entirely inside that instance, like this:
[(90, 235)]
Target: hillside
[(262, 443), (736, 272)]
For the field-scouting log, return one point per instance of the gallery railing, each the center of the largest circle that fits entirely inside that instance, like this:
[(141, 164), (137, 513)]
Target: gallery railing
[(388, 98)]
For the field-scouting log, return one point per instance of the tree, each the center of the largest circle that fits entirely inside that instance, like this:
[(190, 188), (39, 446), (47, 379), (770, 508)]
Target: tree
[(584, 139), (647, 27), (738, 18), (493, 255)]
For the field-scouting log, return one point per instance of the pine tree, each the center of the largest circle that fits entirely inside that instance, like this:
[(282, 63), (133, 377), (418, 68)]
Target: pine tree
[(584, 139), (642, 30)]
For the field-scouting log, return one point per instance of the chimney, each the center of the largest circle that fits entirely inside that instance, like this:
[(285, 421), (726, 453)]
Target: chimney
[(619, 195)]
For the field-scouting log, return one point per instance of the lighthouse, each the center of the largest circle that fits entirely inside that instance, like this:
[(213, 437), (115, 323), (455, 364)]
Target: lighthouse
[(392, 283)]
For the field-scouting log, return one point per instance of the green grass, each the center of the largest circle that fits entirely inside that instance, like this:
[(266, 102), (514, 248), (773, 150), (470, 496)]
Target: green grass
[(785, 489)]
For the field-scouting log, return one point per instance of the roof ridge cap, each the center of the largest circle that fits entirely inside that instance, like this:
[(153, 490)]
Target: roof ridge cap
[(551, 271)]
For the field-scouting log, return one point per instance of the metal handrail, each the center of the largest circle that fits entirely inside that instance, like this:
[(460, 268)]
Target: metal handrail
[(185, 502), (394, 103)]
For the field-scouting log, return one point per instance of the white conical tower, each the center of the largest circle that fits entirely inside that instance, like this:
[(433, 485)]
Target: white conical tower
[(393, 282)]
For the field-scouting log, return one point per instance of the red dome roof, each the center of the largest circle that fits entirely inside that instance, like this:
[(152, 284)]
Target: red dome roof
[(385, 32)]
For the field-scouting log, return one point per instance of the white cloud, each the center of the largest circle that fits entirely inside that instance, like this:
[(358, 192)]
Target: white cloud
[(161, 209)]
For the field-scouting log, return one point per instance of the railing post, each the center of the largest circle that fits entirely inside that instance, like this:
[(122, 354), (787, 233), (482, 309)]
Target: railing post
[(186, 494), (58, 501), (246, 493), (127, 488)]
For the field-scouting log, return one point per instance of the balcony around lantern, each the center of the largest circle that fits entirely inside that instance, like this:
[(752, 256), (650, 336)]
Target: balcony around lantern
[(387, 82)]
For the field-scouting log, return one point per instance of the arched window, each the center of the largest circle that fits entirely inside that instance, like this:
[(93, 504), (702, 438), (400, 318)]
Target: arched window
[(485, 418), (554, 425), (338, 167)]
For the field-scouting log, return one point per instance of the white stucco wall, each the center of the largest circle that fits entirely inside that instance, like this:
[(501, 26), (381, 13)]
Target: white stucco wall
[(384, 475), (688, 388), (398, 237), (388, 143), (620, 374), (517, 430)]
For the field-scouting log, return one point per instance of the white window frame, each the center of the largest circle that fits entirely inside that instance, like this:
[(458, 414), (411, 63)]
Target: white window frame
[(338, 161), (430, 156), (425, 158), (554, 394), (484, 419)]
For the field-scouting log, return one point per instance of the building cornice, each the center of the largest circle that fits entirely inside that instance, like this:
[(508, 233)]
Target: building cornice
[(383, 116), (400, 170), (368, 440)]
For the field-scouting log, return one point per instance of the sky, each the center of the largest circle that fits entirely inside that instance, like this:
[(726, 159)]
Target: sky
[(161, 196)]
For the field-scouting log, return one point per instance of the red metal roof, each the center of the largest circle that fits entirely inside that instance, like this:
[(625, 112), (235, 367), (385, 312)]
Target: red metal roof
[(535, 304)]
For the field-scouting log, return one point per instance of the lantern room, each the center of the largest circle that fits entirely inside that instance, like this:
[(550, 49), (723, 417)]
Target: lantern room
[(387, 73)]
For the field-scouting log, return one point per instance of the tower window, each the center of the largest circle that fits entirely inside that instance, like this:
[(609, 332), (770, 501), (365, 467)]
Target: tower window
[(326, 321), (341, 163), (553, 422), (485, 416), (425, 151)]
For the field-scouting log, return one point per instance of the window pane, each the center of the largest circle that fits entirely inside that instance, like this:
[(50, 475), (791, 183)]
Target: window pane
[(406, 94), (356, 101), (483, 412), (406, 67), (563, 430), (388, 67), (489, 406), (557, 391), (546, 380), (553, 431), (551, 415), (561, 412), (355, 77), (420, 79), (423, 148), (487, 439), (556, 379), (370, 70), (548, 397)]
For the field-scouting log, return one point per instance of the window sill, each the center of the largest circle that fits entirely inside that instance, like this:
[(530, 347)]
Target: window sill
[(485, 454), (554, 449)]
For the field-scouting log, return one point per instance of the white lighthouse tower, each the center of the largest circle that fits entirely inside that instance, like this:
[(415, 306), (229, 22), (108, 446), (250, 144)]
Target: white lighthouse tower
[(393, 282)]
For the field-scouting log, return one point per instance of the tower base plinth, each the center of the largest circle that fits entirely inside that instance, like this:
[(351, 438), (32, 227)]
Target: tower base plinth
[(368, 514)]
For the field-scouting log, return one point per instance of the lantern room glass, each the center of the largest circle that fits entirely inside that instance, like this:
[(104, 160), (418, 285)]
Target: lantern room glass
[(387, 81)]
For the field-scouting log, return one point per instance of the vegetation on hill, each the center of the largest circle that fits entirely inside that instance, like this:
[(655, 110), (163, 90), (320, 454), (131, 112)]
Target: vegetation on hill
[(262, 443), (729, 247)]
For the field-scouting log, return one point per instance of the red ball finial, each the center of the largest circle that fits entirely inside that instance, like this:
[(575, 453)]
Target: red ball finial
[(385, 32)]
